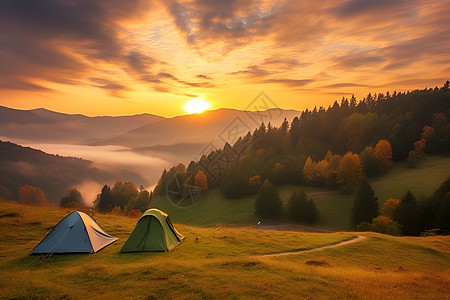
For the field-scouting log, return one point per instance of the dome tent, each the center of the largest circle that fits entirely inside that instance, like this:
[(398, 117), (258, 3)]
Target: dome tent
[(76, 233), (153, 232)]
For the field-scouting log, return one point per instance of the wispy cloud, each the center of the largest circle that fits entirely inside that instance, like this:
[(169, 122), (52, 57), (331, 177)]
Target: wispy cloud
[(186, 47)]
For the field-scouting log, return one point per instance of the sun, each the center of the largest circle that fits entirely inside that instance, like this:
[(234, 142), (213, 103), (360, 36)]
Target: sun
[(196, 106)]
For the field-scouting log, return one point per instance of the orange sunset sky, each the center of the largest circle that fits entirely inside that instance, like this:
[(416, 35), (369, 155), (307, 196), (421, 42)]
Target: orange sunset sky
[(112, 57)]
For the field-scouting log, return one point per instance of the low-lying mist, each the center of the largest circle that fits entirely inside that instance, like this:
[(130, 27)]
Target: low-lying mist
[(89, 191), (109, 158)]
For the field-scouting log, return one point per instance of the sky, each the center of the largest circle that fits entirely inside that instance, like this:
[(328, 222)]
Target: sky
[(113, 57)]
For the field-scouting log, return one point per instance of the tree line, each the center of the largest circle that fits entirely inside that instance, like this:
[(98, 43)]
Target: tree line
[(380, 129), (338, 147), (406, 216)]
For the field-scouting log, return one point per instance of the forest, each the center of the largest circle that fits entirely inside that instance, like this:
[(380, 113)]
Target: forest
[(336, 147)]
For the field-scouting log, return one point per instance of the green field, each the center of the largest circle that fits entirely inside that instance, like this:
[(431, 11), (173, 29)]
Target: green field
[(334, 207), (218, 263)]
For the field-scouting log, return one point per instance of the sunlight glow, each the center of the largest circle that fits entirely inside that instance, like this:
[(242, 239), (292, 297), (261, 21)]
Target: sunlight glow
[(196, 106)]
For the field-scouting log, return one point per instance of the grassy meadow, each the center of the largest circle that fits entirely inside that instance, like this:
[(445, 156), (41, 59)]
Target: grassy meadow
[(220, 262), (334, 207)]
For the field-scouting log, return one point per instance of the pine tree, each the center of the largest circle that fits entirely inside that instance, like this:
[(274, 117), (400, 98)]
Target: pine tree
[(301, 208), (104, 201), (268, 202), (365, 207), (407, 215)]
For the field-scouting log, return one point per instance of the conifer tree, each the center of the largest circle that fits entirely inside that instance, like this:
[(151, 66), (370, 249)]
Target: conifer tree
[(268, 203), (407, 215), (365, 207), (301, 208)]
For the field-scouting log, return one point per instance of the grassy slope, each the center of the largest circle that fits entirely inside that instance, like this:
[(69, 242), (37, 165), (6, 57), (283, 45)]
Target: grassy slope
[(334, 207), (223, 263)]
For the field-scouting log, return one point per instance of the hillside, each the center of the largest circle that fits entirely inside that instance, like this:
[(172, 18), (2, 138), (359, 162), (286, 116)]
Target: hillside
[(220, 263), (334, 207), (53, 174), (334, 149)]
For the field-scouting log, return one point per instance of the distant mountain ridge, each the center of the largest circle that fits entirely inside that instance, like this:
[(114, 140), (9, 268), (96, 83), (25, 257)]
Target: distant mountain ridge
[(42, 125), (215, 126), (137, 131)]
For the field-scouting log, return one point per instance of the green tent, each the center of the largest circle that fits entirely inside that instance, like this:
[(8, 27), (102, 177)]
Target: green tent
[(153, 232)]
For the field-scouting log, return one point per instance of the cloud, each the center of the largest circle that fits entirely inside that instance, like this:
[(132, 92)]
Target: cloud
[(259, 75), (342, 85), (114, 88), (357, 7), (234, 22), (290, 82), (359, 60), (203, 76), (112, 44), (284, 63), (7, 84), (205, 84), (140, 62), (252, 71), (57, 41)]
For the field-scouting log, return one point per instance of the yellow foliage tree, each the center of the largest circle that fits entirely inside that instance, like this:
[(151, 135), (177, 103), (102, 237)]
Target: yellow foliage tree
[(308, 170), (201, 180), (383, 152), (349, 172), (322, 171), (389, 207), (31, 195)]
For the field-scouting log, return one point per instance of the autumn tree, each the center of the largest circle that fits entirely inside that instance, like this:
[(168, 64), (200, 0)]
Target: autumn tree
[(365, 206), (73, 198), (31, 195), (140, 202), (419, 146), (315, 173), (333, 163), (389, 207), (350, 172), (201, 180), (371, 164), (123, 193), (385, 225), (383, 152), (308, 170), (268, 203)]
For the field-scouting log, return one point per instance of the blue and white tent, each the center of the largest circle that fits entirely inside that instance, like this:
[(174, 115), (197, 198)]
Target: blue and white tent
[(76, 233)]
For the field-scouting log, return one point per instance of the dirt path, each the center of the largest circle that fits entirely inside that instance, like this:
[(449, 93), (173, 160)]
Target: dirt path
[(354, 240)]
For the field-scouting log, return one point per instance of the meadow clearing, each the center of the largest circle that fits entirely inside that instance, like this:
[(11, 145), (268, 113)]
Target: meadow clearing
[(220, 262)]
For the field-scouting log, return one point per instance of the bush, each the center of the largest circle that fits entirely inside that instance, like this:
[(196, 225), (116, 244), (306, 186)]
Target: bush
[(364, 226), (72, 199), (135, 213)]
